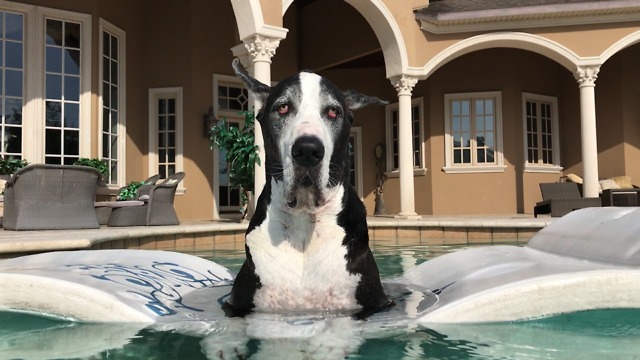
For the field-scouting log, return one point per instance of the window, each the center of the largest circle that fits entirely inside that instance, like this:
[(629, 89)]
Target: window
[(45, 85), (473, 132), (165, 131), (541, 133), (393, 130), (112, 116), (62, 91), (230, 99), (12, 71), (229, 197)]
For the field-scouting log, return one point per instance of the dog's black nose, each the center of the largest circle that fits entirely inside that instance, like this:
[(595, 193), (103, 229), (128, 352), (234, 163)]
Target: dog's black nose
[(307, 151)]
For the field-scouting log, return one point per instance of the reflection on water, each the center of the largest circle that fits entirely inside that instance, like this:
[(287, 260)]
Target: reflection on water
[(610, 334)]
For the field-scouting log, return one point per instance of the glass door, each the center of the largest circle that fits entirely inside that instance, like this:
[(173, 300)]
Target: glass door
[(229, 197)]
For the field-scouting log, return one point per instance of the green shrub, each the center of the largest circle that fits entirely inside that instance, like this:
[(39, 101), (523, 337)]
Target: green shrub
[(98, 164), (10, 166), (242, 153), (129, 192)]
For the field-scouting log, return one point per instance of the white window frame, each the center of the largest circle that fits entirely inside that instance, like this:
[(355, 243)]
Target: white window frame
[(450, 167), (421, 169), (122, 110), (554, 168), (31, 103), (154, 95), (38, 130), (222, 80), (24, 11), (33, 109), (221, 114)]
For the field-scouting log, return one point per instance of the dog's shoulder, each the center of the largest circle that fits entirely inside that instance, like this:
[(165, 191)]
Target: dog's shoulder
[(247, 281), (353, 219), (369, 292)]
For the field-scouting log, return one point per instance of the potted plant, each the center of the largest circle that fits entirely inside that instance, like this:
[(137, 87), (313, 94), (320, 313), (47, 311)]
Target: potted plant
[(128, 192), (242, 154), (98, 164), (10, 165)]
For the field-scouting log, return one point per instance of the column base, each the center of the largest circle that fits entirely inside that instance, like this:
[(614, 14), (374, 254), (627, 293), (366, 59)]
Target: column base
[(408, 216)]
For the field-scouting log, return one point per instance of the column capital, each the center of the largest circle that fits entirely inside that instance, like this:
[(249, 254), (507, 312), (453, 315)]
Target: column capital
[(261, 48), (404, 84), (240, 51), (587, 75)]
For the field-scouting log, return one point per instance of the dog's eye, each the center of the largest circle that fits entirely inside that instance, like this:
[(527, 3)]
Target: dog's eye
[(283, 109), (332, 113)]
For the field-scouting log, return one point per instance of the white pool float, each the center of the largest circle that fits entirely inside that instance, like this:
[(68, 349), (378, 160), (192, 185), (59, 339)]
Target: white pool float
[(589, 259)]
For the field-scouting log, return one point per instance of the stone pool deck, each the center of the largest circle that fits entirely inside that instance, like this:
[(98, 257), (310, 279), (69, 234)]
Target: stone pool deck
[(221, 235)]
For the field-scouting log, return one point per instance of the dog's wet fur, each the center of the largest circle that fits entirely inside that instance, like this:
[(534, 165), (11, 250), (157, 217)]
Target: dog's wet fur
[(307, 245)]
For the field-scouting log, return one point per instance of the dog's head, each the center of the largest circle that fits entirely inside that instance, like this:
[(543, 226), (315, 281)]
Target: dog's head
[(305, 122)]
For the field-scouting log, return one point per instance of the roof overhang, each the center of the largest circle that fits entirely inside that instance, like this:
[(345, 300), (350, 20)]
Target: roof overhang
[(439, 19)]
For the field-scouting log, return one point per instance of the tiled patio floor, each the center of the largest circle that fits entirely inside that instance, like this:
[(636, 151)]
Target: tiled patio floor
[(208, 235)]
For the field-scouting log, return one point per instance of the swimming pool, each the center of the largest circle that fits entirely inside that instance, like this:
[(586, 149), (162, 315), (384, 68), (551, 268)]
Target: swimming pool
[(610, 334)]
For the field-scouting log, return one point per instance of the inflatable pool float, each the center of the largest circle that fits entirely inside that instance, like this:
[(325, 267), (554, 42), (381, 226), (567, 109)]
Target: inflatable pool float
[(589, 259)]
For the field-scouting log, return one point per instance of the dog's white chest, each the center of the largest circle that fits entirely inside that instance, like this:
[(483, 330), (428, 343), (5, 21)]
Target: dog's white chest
[(301, 264)]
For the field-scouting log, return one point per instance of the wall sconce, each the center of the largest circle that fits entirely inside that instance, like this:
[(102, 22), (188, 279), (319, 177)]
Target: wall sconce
[(208, 121)]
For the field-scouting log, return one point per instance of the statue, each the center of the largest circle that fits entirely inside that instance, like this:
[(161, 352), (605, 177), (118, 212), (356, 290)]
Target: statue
[(381, 177)]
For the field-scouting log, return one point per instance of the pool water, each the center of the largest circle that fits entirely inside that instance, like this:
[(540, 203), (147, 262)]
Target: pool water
[(606, 334)]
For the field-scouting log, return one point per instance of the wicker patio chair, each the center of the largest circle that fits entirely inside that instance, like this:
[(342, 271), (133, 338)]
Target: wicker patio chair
[(104, 208), (51, 197), (559, 199), (146, 186), (156, 209), (621, 197)]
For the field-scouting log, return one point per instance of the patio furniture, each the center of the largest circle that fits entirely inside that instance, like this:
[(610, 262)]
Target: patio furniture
[(51, 197), (620, 197), (559, 199), (104, 208), (146, 186), (154, 208)]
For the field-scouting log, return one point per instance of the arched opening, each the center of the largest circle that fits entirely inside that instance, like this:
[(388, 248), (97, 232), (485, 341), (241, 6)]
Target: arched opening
[(316, 41), (495, 157), (524, 41), (379, 19), (618, 109)]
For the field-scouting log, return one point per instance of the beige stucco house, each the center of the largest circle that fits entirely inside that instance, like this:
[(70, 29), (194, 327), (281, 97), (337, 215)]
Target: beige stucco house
[(487, 98)]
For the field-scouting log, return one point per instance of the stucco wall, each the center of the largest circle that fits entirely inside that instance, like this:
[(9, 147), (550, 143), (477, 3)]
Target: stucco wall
[(185, 44), (491, 70)]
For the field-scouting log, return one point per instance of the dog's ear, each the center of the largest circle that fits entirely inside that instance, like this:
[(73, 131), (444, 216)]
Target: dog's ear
[(355, 100), (258, 89)]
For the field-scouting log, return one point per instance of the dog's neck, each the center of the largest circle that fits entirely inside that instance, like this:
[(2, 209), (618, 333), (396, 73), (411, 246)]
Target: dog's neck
[(306, 200), (304, 221)]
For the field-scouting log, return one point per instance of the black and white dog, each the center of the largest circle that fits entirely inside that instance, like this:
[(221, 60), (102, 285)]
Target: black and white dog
[(307, 245)]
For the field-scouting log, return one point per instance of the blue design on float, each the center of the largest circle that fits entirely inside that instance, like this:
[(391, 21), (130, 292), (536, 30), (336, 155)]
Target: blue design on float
[(157, 283)]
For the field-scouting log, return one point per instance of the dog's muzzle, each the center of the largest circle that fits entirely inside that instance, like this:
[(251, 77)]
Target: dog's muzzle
[(307, 151)]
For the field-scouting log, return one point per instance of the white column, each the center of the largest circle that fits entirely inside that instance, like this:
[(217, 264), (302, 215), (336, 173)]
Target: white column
[(404, 85), (586, 76), (261, 49)]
